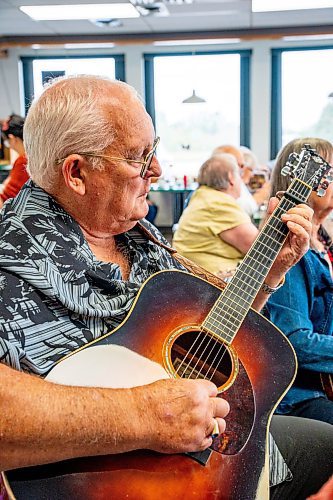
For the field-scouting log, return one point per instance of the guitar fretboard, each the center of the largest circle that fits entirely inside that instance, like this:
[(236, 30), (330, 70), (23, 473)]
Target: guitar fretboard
[(230, 309)]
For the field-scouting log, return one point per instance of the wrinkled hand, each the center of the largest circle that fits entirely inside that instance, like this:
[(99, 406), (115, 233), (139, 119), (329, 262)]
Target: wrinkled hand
[(298, 220), (179, 415)]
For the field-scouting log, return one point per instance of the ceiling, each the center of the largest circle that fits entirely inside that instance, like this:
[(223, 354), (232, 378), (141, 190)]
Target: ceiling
[(204, 17)]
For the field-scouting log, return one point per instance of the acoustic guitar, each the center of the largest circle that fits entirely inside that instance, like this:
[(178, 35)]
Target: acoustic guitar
[(182, 326)]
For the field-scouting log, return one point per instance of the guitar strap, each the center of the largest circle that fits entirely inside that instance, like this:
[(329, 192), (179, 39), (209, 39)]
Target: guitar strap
[(187, 263)]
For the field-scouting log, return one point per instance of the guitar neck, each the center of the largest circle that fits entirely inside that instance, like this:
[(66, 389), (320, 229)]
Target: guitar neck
[(235, 301)]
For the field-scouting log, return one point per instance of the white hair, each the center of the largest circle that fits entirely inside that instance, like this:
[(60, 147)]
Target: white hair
[(215, 171), (250, 159), (71, 116)]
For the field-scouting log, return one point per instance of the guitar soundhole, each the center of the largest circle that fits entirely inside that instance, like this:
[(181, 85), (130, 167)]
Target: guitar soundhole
[(196, 354)]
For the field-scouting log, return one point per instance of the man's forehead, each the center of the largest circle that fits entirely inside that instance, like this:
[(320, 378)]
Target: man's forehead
[(139, 125)]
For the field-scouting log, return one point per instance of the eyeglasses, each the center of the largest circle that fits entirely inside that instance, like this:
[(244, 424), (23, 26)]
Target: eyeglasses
[(146, 163)]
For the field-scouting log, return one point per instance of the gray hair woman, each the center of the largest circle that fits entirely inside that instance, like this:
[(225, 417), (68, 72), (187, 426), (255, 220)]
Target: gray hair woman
[(302, 308)]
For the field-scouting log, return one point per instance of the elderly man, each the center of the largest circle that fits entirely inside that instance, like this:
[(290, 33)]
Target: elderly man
[(72, 259)]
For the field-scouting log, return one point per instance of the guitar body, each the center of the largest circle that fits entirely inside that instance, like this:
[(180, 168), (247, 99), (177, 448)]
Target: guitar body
[(164, 320)]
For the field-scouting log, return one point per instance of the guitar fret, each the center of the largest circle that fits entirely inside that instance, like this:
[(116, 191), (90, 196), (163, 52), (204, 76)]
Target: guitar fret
[(279, 229), (232, 293), (226, 309), (214, 326), (256, 275), (250, 258), (258, 256), (226, 320), (269, 242), (240, 286), (271, 238), (229, 311), (229, 302), (272, 251), (224, 332), (254, 269), (275, 229), (247, 276), (227, 299), (241, 294)]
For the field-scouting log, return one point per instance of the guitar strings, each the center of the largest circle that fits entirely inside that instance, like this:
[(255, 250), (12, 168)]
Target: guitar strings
[(213, 342)]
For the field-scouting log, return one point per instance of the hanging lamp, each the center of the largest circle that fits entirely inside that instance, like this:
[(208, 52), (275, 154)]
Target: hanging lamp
[(193, 99)]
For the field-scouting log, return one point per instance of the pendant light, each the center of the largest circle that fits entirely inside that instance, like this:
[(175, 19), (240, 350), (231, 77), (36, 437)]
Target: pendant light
[(193, 99)]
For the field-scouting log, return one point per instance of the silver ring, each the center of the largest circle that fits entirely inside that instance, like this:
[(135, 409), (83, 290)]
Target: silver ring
[(216, 430)]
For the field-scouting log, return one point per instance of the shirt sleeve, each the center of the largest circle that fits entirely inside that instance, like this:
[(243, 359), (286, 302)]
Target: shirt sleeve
[(289, 309), (15, 180), (225, 215)]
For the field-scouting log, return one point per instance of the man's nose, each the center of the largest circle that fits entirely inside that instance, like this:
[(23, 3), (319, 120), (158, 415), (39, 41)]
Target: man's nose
[(155, 169)]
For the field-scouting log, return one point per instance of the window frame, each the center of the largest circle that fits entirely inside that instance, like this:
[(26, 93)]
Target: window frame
[(276, 91), (245, 84), (27, 70)]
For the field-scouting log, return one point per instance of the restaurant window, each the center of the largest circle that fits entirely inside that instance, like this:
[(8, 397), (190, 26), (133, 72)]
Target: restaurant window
[(301, 85), (190, 131), (38, 70)]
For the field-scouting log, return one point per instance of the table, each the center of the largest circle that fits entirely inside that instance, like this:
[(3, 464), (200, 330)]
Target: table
[(179, 197)]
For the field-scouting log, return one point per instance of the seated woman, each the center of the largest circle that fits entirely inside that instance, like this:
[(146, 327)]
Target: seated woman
[(214, 231), (303, 307)]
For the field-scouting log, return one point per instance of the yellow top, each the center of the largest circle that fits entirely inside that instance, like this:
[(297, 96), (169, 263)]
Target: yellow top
[(208, 214)]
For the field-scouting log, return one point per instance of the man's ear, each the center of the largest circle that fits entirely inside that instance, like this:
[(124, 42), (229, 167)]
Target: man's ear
[(231, 179), (73, 171)]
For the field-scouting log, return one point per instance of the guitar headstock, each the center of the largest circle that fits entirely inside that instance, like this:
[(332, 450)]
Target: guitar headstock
[(308, 166)]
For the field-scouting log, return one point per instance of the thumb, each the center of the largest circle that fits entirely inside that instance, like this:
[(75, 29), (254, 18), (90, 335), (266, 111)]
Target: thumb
[(272, 204)]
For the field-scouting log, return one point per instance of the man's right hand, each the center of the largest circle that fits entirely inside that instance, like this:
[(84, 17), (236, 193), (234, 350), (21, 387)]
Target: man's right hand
[(179, 415)]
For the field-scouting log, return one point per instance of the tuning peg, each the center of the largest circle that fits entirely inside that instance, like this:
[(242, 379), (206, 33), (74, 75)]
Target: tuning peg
[(286, 170), (308, 147), (293, 158), (329, 177), (321, 192)]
